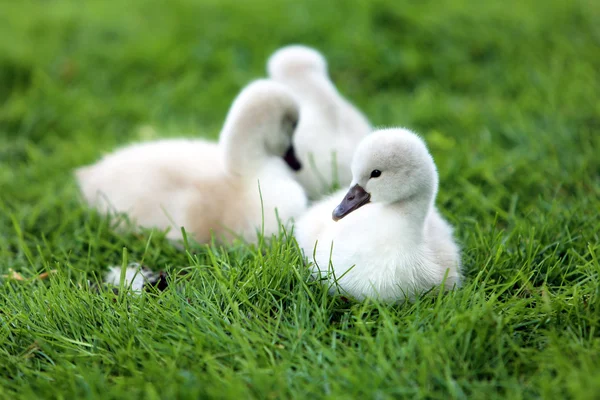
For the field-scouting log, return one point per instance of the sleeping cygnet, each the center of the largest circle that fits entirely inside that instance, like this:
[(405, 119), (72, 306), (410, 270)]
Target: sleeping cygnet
[(330, 127), (228, 189), (385, 238)]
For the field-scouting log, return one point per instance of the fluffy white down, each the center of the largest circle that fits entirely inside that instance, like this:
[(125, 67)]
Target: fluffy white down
[(330, 127), (208, 187), (135, 277), (395, 247)]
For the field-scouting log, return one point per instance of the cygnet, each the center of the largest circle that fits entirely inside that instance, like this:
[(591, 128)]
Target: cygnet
[(237, 187), (385, 238), (330, 127)]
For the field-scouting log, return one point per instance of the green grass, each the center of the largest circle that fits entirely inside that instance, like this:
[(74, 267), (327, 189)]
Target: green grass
[(506, 95)]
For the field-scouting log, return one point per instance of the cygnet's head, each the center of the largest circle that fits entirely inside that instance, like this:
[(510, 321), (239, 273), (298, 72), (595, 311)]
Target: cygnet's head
[(390, 166), (290, 61), (261, 123)]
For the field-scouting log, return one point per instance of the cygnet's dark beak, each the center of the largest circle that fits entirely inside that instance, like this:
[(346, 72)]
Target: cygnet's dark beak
[(354, 199), (291, 159)]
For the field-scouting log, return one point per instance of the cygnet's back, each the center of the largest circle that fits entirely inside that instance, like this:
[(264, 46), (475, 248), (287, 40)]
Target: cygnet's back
[(209, 188), (330, 127), (150, 181)]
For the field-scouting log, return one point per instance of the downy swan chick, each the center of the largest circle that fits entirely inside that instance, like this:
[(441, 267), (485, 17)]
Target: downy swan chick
[(385, 237), (210, 187), (330, 127)]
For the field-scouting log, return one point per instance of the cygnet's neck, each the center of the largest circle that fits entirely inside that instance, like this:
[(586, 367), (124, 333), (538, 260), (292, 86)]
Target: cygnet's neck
[(314, 88), (244, 150), (417, 207)]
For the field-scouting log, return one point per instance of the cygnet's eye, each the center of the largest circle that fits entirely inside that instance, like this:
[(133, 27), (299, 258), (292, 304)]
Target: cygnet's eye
[(375, 173), (291, 123)]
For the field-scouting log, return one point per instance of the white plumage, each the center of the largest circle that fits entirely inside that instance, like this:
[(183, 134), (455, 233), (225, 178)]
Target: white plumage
[(389, 241), (330, 127), (135, 277), (209, 187)]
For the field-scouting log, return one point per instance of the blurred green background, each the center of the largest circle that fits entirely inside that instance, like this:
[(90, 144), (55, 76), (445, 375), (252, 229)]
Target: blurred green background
[(85, 76), (505, 94)]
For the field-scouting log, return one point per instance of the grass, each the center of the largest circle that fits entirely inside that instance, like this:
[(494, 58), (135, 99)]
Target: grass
[(505, 95)]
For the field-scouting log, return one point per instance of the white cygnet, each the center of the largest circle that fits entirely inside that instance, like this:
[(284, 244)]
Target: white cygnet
[(330, 127), (243, 184), (385, 239)]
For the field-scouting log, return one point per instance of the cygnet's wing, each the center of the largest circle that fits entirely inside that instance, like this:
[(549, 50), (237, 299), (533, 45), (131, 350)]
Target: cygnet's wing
[(440, 240)]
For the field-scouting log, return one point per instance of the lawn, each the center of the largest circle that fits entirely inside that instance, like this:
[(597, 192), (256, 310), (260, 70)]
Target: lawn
[(506, 96)]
